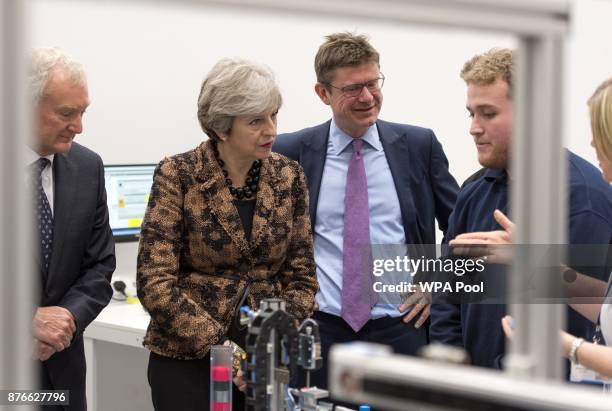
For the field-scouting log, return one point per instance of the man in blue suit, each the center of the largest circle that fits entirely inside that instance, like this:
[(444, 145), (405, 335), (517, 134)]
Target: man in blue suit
[(368, 179), (76, 248)]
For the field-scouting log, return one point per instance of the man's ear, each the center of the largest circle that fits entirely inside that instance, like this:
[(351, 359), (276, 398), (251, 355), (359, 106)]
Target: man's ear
[(323, 93)]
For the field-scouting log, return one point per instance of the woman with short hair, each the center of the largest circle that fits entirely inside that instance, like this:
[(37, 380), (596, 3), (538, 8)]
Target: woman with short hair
[(226, 222)]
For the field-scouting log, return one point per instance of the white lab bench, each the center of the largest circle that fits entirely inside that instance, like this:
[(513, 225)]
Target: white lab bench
[(116, 360)]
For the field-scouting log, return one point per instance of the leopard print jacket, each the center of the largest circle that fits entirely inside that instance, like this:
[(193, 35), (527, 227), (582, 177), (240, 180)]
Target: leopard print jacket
[(194, 260)]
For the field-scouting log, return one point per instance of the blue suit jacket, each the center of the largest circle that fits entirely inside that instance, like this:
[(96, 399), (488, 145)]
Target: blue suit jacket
[(419, 167)]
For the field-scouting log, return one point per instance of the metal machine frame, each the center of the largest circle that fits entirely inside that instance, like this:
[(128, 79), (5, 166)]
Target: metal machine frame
[(366, 373), (16, 284), (275, 348)]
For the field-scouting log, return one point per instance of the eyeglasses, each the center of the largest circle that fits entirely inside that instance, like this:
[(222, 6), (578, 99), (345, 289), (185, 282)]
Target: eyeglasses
[(353, 90)]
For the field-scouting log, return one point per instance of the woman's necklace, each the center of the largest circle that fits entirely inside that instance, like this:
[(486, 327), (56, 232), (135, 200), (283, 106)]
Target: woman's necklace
[(249, 190)]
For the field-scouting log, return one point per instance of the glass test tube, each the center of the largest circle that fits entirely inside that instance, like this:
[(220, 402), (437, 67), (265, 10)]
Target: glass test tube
[(220, 378)]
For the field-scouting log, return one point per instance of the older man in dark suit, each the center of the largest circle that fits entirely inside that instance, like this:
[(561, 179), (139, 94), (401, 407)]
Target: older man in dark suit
[(77, 253), (371, 182)]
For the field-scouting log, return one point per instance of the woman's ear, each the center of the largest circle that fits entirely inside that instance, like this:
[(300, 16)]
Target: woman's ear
[(222, 136)]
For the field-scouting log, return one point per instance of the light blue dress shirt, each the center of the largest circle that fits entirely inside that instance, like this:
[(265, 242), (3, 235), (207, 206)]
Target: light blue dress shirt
[(385, 215)]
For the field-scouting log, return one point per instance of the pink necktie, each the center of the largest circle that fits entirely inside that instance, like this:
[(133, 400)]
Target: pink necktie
[(357, 295)]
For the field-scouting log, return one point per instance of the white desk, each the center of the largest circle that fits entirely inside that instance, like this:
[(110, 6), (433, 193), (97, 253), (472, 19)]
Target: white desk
[(116, 360)]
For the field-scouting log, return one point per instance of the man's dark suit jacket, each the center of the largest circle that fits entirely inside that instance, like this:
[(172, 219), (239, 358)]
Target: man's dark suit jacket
[(419, 167), (425, 189), (82, 261)]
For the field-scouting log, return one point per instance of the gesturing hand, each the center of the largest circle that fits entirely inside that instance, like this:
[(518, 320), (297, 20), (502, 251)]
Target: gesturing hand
[(492, 244)]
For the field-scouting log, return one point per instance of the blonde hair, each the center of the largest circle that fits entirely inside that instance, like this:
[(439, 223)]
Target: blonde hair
[(484, 69), (600, 110)]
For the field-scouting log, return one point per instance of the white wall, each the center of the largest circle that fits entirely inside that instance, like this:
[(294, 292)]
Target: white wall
[(588, 63), (145, 62)]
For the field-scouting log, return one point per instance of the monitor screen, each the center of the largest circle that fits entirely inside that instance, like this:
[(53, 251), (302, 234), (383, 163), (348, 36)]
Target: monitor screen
[(127, 192)]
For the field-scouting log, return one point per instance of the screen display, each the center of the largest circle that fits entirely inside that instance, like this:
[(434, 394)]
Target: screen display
[(127, 192)]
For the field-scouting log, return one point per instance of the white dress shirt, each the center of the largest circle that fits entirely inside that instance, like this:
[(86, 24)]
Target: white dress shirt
[(46, 176)]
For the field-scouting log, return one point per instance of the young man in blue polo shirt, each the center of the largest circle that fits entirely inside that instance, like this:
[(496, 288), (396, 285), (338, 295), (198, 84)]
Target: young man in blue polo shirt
[(476, 327)]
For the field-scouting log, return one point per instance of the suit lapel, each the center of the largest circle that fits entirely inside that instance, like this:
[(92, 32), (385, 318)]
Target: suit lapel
[(399, 159), (313, 152), (64, 181), (220, 200)]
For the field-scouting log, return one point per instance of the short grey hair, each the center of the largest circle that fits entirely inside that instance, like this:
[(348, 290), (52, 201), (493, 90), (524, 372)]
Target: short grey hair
[(43, 61), (235, 87)]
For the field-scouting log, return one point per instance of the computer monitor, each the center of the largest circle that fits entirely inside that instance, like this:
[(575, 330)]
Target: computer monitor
[(127, 192)]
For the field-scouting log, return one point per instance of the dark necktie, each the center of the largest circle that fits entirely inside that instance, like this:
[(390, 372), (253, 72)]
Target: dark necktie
[(357, 294), (43, 214)]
